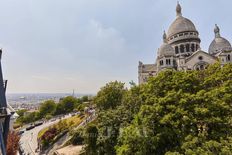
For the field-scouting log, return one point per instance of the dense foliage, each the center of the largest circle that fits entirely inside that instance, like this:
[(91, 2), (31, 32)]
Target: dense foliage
[(51, 134), (174, 113), (49, 108)]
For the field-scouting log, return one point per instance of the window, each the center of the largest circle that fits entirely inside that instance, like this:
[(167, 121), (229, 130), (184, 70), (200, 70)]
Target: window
[(174, 62), (200, 58), (182, 48), (168, 62), (193, 48), (161, 62), (228, 57), (197, 47), (201, 67), (176, 49), (187, 48)]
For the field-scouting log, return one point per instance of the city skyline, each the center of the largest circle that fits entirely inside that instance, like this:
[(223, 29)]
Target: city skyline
[(56, 46)]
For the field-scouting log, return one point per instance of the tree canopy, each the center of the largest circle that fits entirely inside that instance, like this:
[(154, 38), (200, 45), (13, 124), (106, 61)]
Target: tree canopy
[(174, 113)]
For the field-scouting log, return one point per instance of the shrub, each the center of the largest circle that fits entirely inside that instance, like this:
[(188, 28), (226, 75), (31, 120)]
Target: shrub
[(77, 138)]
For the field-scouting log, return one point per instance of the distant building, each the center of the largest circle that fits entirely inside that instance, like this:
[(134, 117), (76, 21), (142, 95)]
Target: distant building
[(181, 50)]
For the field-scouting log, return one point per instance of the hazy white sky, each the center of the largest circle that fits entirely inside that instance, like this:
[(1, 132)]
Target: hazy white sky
[(61, 45)]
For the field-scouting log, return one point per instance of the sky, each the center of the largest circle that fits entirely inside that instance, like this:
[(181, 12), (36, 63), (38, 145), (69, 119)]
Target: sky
[(55, 46)]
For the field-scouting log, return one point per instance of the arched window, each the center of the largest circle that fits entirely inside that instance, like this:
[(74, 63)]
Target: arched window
[(174, 62), (168, 62), (176, 49), (161, 62), (201, 67), (182, 48), (197, 47), (187, 48), (193, 48), (228, 57)]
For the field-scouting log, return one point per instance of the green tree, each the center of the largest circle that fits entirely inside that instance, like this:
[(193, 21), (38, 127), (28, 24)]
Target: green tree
[(90, 138), (85, 98), (174, 113), (110, 95), (21, 112), (77, 138), (60, 109), (183, 113), (69, 103), (47, 108)]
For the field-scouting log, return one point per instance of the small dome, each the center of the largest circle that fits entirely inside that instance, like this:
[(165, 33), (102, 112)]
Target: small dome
[(219, 43), (181, 24), (166, 49)]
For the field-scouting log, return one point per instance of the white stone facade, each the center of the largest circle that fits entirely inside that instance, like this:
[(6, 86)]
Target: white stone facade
[(181, 50)]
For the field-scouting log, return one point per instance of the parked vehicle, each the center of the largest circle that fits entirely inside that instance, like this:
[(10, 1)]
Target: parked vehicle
[(30, 127), (38, 123), (20, 132), (53, 119)]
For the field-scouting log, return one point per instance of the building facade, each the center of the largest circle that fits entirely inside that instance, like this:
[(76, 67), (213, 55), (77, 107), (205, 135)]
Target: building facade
[(181, 49), (6, 111)]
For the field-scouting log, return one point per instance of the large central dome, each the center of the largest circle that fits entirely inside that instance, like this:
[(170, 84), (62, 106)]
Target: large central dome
[(181, 24), (183, 35)]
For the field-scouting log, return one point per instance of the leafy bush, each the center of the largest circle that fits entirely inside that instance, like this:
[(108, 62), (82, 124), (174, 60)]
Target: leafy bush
[(77, 138), (48, 136)]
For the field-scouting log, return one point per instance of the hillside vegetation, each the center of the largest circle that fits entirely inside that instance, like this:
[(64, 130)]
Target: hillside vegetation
[(174, 113)]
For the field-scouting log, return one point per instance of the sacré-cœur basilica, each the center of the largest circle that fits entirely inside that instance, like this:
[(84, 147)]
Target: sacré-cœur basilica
[(181, 49)]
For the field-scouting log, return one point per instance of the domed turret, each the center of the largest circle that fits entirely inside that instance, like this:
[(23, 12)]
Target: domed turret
[(219, 43), (183, 35), (166, 55), (165, 49)]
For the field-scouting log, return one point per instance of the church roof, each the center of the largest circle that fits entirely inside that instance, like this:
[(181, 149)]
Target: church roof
[(200, 51)]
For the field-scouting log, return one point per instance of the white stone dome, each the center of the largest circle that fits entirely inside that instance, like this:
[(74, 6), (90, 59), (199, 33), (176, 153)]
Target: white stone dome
[(181, 24), (219, 43)]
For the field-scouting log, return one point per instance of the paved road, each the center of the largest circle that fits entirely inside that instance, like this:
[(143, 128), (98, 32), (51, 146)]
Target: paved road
[(28, 139)]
